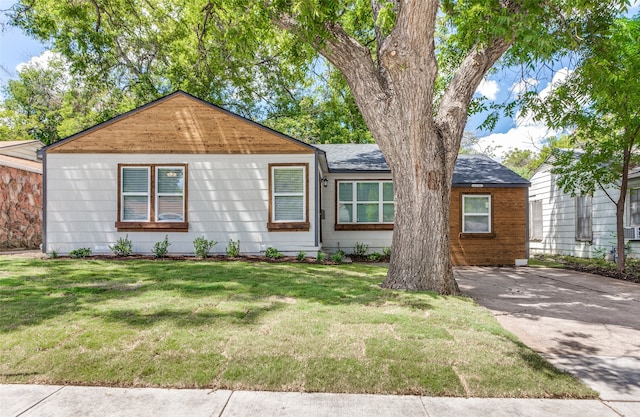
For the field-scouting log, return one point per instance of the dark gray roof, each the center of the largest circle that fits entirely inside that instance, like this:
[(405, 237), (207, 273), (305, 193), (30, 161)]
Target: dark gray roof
[(470, 169)]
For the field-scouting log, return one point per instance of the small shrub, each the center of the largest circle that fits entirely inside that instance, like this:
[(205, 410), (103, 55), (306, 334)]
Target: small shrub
[(53, 253), (160, 249), (80, 253), (272, 253), (386, 252), (202, 246), (123, 247), (375, 256), (338, 257), (321, 256), (301, 255), (233, 249), (360, 249)]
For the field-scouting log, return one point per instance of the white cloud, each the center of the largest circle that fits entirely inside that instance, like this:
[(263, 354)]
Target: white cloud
[(528, 133), (558, 78), (527, 136), (488, 88), (523, 85), (40, 61)]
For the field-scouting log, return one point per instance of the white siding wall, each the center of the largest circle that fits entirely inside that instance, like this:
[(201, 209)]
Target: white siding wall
[(559, 220), (227, 199), (345, 240)]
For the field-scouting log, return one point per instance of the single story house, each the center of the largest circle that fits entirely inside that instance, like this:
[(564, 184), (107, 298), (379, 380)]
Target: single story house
[(584, 225), (182, 167), (20, 195)]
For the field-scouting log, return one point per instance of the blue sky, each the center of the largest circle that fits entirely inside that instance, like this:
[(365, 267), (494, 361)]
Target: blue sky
[(517, 132)]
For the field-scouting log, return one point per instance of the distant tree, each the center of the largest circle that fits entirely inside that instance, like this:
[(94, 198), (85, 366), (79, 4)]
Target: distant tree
[(525, 162), (600, 101), (520, 161), (47, 103)]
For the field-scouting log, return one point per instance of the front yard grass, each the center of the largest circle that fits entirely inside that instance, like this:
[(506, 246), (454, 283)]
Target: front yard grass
[(255, 326)]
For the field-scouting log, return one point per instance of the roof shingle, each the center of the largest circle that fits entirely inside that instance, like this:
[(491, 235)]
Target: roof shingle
[(470, 169)]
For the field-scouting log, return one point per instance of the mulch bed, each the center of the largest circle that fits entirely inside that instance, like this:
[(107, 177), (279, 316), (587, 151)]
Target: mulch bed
[(599, 270), (245, 258)]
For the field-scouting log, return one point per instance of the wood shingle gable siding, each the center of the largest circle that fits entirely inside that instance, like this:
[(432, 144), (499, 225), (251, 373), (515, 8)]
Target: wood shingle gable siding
[(180, 124)]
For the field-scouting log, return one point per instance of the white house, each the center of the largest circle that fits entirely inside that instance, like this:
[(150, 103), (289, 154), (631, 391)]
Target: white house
[(583, 226), (185, 168)]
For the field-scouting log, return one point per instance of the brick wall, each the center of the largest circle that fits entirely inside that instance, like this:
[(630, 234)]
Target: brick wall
[(20, 209)]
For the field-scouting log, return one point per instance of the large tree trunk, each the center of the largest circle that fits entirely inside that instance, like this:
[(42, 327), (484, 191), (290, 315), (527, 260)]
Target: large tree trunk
[(420, 259)]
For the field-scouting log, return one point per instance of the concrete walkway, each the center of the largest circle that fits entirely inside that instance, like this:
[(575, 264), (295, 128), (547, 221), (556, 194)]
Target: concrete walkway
[(58, 401), (585, 324)]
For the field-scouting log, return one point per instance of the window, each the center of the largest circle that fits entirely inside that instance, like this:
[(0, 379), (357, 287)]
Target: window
[(535, 220), (634, 207), (289, 200), (152, 197), (583, 218), (476, 213), (364, 203)]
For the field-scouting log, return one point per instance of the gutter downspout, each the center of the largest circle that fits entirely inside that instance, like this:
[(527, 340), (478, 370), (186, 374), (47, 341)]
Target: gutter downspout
[(527, 214), (317, 198), (44, 202)]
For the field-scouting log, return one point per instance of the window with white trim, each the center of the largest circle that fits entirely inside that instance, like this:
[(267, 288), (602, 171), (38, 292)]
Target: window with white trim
[(288, 204), (476, 213), (365, 202), (535, 220), (634, 207), (584, 230), (136, 190), (152, 197)]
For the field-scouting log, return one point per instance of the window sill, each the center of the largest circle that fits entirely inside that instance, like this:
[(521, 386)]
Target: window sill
[(589, 241), (289, 227), (477, 235), (152, 226), (356, 226)]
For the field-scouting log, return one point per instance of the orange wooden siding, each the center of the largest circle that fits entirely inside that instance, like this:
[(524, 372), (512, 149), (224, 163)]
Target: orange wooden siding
[(506, 243), (180, 124)]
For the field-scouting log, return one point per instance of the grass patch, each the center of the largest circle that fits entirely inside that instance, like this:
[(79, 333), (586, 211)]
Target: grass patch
[(255, 326)]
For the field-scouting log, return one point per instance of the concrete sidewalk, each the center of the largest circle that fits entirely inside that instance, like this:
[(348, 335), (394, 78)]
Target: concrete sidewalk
[(58, 401)]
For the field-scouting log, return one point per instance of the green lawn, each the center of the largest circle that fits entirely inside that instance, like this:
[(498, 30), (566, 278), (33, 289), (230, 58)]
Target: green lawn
[(258, 326)]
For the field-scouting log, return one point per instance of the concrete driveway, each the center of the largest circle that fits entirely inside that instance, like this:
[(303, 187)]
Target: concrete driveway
[(585, 324)]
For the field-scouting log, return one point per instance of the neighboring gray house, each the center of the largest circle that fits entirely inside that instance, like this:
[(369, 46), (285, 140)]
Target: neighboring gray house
[(583, 226), (185, 168)]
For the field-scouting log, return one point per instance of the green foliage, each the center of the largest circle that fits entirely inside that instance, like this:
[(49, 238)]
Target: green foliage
[(47, 102), (80, 253), (321, 256), (360, 249), (202, 246), (160, 249), (338, 257), (233, 248), (53, 253), (375, 256), (272, 253), (122, 247), (386, 252), (301, 255)]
